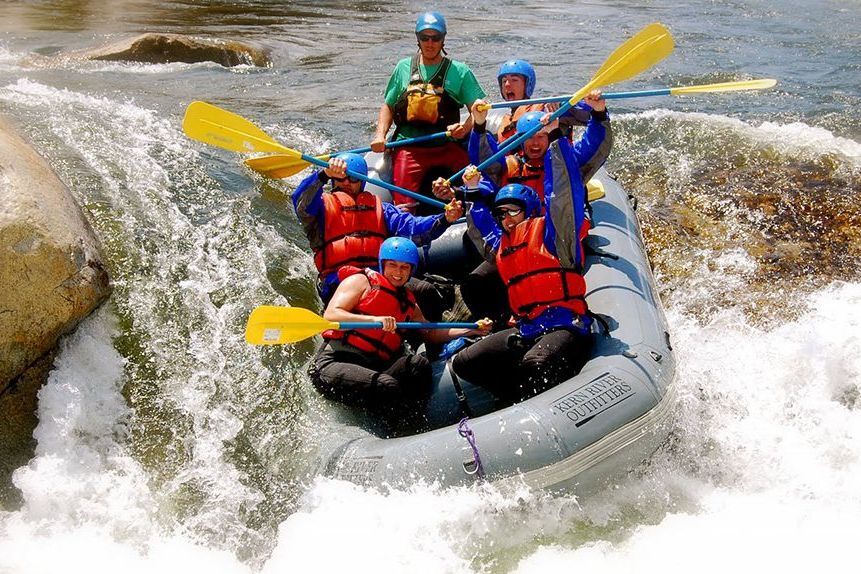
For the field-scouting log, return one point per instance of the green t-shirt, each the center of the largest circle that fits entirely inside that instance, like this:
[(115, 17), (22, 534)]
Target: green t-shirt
[(460, 84)]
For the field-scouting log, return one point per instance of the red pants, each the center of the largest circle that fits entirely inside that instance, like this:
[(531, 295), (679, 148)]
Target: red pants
[(411, 164)]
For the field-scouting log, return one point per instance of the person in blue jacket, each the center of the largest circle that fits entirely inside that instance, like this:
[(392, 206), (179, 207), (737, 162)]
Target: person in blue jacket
[(347, 224), (540, 258), (481, 289)]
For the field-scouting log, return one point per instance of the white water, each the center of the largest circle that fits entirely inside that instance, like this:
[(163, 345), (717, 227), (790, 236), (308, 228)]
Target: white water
[(762, 471)]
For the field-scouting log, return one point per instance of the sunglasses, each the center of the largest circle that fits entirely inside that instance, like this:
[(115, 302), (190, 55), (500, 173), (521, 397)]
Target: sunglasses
[(499, 213), (431, 38), (350, 179)]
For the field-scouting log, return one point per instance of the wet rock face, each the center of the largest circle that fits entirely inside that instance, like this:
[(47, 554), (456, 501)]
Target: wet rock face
[(51, 273), (166, 48)]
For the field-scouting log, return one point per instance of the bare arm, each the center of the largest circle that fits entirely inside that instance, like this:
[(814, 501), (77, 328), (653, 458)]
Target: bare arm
[(345, 299), (384, 122)]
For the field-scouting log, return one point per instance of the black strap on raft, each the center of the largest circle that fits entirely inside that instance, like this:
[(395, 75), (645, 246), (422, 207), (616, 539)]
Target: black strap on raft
[(605, 326), (458, 391), (598, 252)]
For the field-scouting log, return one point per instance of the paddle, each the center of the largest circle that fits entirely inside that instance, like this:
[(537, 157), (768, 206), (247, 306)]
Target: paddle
[(648, 47), (218, 127), (271, 325), (280, 166), (677, 91)]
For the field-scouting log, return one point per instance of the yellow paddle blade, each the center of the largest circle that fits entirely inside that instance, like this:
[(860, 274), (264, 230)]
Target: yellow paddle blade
[(218, 127), (271, 325), (648, 47), (725, 87), (595, 189), (279, 166)]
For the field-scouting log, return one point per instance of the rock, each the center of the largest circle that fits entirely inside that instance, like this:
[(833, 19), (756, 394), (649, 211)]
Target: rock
[(51, 274), (165, 48), (18, 413)]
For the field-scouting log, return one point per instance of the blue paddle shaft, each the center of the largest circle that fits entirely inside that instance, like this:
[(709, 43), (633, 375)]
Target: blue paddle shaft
[(608, 96), (375, 181), (408, 325), (399, 143)]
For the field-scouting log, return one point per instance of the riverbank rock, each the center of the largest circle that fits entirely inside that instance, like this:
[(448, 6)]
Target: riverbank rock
[(165, 48), (51, 274), (18, 404)]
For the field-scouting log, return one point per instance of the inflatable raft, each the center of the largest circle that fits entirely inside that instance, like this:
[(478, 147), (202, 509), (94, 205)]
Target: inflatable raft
[(575, 436)]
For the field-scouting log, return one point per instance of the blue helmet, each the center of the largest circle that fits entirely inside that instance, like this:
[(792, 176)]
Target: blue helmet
[(431, 21), (355, 163), (399, 249), (528, 121), (520, 67), (519, 194)]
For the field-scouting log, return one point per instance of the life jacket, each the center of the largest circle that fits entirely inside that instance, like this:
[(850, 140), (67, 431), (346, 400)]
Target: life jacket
[(427, 104), (518, 170), (535, 279), (508, 124), (354, 230), (382, 299)]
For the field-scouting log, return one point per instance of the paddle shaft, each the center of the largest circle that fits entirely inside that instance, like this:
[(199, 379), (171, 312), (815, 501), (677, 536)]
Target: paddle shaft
[(379, 182), (407, 325), (674, 91), (395, 144), (608, 96)]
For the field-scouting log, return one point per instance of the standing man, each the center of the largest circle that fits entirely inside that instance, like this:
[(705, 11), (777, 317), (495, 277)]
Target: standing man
[(425, 95)]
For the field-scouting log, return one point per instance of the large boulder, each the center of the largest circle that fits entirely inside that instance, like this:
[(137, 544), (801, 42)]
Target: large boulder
[(51, 274), (165, 48)]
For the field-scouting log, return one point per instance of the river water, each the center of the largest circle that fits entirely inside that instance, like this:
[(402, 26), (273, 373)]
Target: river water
[(165, 443)]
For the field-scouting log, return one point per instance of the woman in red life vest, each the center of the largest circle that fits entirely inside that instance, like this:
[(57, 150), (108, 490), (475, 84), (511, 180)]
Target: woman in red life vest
[(540, 259), (371, 368)]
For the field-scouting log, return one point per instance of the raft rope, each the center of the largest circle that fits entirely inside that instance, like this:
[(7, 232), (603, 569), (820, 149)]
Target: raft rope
[(466, 432)]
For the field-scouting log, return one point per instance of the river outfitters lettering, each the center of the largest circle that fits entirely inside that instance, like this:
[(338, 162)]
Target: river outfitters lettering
[(588, 401), (358, 470)]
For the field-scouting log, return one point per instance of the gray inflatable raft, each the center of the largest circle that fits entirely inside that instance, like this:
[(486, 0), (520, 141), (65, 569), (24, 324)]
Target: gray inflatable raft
[(576, 436)]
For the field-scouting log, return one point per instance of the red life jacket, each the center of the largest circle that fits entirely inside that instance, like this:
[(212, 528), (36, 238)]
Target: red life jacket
[(382, 299), (534, 277), (354, 230), (520, 171)]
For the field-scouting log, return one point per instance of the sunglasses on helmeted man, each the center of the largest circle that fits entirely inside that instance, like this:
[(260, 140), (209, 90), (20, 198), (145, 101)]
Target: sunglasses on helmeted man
[(350, 179), (499, 213), (430, 38)]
